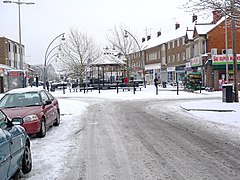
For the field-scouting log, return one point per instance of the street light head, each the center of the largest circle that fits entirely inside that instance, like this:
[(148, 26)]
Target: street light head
[(126, 34), (63, 38), (7, 1)]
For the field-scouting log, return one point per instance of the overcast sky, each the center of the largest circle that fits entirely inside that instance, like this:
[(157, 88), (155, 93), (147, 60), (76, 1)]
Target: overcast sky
[(46, 19)]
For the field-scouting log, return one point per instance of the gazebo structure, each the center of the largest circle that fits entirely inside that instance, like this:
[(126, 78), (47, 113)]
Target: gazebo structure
[(109, 70), (110, 66)]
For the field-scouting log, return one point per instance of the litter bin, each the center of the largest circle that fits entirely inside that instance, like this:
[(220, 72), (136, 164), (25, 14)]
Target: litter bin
[(227, 93), (52, 88), (164, 84)]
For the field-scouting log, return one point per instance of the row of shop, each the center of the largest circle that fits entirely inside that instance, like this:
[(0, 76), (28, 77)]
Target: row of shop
[(212, 71)]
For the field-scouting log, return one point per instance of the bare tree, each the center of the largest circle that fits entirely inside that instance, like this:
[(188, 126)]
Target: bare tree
[(124, 45), (230, 7), (77, 53)]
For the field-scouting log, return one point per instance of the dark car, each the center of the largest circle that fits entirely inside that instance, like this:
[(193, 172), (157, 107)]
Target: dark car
[(36, 108), (15, 153)]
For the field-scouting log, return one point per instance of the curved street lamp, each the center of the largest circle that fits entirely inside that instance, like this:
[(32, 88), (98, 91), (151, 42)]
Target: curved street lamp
[(19, 26), (48, 53), (140, 50), (59, 48)]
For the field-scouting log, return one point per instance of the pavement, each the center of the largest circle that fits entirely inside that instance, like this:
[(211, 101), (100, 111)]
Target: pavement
[(215, 104)]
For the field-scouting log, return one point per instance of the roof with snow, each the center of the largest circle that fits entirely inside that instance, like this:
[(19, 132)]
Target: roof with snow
[(108, 59), (178, 33), (205, 28), (164, 37)]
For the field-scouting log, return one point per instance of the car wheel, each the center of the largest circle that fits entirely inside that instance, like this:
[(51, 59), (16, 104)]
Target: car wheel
[(57, 122), (27, 160), (17, 175), (43, 129)]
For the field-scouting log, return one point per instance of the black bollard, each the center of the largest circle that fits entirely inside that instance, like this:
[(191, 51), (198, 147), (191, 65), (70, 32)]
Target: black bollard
[(177, 88), (134, 89), (117, 87)]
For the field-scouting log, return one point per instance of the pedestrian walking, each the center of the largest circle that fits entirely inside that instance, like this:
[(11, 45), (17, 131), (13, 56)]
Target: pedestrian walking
[(156, 82), (47, 84)]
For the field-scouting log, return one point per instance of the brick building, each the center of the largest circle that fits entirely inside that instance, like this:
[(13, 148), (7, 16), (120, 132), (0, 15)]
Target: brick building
[(10, 61), (201, 49)]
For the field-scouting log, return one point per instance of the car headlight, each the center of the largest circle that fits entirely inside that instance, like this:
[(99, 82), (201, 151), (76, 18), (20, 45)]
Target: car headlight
[(30, 118)]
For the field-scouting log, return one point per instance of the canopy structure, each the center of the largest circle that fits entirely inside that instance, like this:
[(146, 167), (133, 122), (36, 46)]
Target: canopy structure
[(107, 78), (108, 60)]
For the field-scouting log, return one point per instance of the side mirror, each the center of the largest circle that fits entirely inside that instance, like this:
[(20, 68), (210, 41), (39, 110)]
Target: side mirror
[(17, 121), (47, 102)]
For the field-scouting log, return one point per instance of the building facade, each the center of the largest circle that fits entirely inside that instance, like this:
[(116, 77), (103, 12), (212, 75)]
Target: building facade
[(200, 49), (11, 75)]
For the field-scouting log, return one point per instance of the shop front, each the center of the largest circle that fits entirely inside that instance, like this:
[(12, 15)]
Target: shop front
[(180, 74), (152, 70), (15, 78), (219, 70), (198, 66), (4, 78), (171, 75)]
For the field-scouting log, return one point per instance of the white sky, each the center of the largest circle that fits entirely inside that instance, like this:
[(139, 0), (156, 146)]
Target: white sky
[(46, 19), (45, 155)]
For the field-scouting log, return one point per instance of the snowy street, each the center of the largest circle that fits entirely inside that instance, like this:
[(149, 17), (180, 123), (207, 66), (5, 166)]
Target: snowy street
[(141, 136)]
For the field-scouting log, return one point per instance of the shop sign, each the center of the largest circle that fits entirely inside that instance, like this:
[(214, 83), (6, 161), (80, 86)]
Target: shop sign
[(170, 69), (180, 68), (136, 68), (149, 71), (196, 61), (221, 59), (13, 74)]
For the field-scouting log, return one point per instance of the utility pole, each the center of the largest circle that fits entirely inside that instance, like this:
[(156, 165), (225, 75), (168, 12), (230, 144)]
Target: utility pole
[(226, 42), (235, 67)]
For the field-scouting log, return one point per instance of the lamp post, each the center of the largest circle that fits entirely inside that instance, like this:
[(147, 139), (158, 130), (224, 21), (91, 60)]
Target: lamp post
[(226, 41), (19, 3), (234, 48), (140, 50), (47, 54)]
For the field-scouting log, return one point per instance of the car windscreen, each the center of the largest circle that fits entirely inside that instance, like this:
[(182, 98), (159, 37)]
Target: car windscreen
[(20, 100)]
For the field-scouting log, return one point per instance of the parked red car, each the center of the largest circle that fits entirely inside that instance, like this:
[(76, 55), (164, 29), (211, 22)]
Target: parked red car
[(36, 108)]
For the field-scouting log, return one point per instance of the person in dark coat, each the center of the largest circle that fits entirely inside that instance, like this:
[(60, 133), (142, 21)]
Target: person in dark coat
[(156, 82), (47, 84)]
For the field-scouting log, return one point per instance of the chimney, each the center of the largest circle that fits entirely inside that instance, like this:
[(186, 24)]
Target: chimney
[(159, 33), (143, 39), (194, 18), (148, 37), (177, 25), (217, 15)]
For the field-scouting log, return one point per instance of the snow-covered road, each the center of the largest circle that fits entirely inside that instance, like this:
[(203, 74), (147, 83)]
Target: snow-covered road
[(140, 139)]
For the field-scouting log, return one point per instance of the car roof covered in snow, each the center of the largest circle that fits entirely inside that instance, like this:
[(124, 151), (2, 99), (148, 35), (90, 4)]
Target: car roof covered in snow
[(24, 90)]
